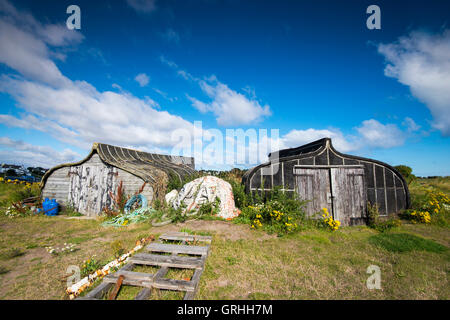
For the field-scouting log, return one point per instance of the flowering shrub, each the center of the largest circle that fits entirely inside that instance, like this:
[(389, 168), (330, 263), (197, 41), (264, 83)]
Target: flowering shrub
[(435, 201), (328, 220), (420, 216), (432, 204), (271, 217), (89, 266)]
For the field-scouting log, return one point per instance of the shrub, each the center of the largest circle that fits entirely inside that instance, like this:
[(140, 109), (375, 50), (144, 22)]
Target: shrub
[(89, 266), (27, 191), (117, 248), (429, 206), (328, 221), (406, 172), (374, 221), (209, 210), (175, 183)]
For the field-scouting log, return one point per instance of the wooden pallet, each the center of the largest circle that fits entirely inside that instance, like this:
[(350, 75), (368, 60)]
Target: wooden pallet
[(194, 257)]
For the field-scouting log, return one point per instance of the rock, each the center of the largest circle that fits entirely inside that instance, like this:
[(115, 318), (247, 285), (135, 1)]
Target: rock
[(206, 190), (171, 196)]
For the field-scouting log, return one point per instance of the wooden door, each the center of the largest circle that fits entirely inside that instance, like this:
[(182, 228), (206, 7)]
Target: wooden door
[(90, 184), (314, 185), (349, 195)]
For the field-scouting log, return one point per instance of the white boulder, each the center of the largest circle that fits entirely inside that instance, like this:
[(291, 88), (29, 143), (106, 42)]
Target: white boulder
[(206, 190)]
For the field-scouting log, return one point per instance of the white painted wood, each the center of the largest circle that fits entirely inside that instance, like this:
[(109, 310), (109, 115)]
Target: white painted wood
[(88, 186)]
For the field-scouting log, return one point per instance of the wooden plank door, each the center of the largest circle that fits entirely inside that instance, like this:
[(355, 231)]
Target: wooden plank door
[(90, 184), (314, 185), (349, 195)]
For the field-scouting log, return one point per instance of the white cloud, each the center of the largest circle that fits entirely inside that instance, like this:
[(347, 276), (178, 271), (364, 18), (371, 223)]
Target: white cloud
[(143, 6), (88, 115), (422, 62), (19, 152), (230, 107), (411, 125), (24, 45), (74, 112), (377, 135), (142, 79), (371, 134), (295, 138)]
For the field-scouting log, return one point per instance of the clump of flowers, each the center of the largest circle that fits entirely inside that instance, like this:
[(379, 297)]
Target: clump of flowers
[(420, 216), (66, 248), (90, 266), (432, 204), (270, 217), (435, 201), (328, 220)]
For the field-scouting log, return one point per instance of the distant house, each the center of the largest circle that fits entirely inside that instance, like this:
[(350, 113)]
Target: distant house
[(326, 178), (87, 185), (19, 170)]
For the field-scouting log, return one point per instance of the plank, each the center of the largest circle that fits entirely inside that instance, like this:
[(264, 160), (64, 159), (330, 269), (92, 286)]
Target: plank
[(143, 294), (195, 280), (87, 298), (131, 278), (100, 290), (172, 284), (173, 248), (167, 261), (185, 237)]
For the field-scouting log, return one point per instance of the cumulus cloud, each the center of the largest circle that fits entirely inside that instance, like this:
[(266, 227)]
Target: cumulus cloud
[(295, 138), (422, 62), (25, 44), (230, 107), (377, 135), (74, 112), (411, 125), (143, 6), (90, 115), (17, 151), (142, 79), (370, 134)]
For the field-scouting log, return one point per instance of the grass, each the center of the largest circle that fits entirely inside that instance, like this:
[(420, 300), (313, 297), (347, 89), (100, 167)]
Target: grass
[(404, 242), (243, 263)]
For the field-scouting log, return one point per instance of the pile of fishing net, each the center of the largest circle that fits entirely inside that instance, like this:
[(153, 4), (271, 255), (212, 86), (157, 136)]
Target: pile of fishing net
[(131, 216)]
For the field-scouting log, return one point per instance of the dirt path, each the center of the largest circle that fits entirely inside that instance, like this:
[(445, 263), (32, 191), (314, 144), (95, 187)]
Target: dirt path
[(224, 229)]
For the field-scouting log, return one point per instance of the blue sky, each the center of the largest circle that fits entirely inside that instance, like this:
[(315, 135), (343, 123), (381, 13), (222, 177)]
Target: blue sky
[(138, 70)]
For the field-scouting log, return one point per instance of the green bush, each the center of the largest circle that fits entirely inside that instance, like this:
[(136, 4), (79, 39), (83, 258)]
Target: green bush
[(406, 172), (90, 266), (275, 212), (376, 223)]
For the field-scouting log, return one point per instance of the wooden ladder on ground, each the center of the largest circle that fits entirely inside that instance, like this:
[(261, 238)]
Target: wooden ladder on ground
[(193, 258)]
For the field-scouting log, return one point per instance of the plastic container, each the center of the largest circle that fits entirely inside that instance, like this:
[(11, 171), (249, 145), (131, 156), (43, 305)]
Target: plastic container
[(50, 207), (54, 206), (45, 207)]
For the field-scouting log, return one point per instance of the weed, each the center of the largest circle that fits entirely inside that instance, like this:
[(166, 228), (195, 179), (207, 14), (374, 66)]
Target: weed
[(117, 248)]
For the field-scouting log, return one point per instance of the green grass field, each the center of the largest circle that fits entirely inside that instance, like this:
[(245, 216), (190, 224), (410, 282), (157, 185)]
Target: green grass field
[(243, 263)]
